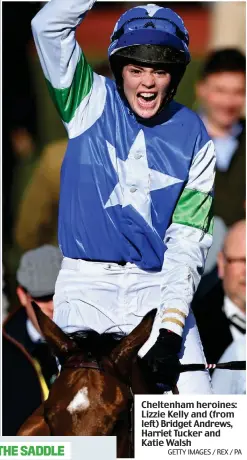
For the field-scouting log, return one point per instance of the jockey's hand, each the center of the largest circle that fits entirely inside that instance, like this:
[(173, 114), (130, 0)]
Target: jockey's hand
[(163, 360)]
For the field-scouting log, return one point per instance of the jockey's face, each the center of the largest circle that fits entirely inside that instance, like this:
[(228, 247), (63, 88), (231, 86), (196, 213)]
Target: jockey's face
[(145, 88)]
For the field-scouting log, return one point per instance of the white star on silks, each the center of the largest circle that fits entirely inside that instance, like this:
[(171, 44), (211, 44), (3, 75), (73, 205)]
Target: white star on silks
[(125, 169)]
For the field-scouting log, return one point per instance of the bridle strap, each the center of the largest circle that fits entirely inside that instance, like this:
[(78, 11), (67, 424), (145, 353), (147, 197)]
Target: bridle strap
[(75, 362), (83, 365)]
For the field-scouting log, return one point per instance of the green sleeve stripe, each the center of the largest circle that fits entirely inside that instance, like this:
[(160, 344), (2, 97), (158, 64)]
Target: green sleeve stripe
[(67, 100), (195, 209)]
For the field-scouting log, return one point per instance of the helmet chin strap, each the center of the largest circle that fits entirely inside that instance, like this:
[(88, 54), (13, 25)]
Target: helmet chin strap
[(168, 98), (172, 92)]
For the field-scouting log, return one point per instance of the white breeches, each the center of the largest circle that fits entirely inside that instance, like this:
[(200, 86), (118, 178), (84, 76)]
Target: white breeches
[(107, 297)]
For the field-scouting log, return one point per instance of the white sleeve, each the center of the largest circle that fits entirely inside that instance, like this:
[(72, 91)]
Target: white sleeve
[(70, 79), (188, 240)]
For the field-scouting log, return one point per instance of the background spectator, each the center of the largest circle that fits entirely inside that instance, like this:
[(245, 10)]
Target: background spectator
[(221, 93), (28, 366), (221, 314)]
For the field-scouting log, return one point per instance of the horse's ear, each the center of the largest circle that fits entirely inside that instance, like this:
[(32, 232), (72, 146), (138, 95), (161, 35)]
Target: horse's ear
[(127, 350), (60, 343)]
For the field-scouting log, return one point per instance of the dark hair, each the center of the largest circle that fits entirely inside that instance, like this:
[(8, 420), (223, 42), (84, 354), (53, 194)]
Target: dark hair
[(224, 60)]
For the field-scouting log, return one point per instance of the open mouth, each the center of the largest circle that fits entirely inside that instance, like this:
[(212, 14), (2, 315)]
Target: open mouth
[(146, 99)]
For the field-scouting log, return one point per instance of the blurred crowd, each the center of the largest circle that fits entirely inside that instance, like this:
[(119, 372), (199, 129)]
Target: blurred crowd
[(31, 171)]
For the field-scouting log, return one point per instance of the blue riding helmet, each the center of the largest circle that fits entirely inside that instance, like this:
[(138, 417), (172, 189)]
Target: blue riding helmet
[(150, 25), (152, 35)]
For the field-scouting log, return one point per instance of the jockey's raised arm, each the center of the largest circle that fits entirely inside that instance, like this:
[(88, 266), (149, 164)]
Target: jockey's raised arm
[(69, 77)]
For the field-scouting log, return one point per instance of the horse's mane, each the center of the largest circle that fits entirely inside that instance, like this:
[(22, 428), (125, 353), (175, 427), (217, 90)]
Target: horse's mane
[(94, 344)]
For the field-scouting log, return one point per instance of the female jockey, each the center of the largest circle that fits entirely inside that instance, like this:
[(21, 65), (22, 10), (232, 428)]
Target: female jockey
[(135, 214)]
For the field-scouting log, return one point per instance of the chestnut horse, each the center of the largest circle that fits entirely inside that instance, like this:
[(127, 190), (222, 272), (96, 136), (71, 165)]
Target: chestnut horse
[(93, 393)]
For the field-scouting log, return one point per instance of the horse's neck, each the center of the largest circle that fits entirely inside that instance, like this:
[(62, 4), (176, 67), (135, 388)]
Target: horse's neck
[(138, 383)]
